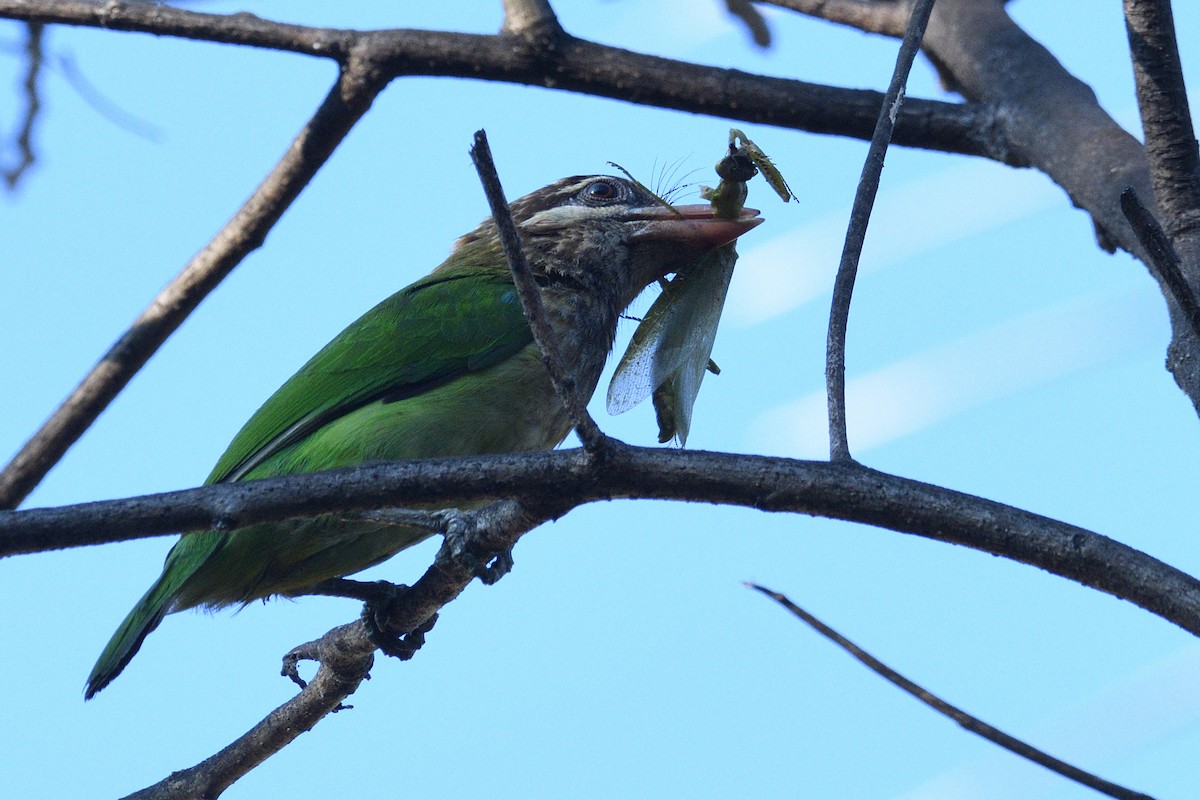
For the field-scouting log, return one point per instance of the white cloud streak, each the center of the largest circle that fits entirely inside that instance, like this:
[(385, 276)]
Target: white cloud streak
[(909, 220), (920, 391)]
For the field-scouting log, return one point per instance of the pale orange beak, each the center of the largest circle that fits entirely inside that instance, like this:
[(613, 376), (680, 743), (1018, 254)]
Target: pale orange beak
[(694, 225)]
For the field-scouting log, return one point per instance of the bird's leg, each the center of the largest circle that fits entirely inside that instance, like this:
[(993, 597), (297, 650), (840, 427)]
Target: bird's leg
[(375, 615), (365, 591)]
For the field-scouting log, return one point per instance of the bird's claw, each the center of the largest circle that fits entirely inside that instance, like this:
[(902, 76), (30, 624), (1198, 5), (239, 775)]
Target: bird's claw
[(501, 564), (377, 610), (459, 546)]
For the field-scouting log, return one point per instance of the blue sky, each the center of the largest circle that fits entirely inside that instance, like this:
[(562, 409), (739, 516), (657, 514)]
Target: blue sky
[(993, 348)]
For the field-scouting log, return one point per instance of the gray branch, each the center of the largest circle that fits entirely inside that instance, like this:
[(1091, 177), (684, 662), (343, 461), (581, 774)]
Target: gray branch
[(564, 479)]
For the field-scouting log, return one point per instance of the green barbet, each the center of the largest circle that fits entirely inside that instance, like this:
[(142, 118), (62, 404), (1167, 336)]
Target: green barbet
[(444, 367)]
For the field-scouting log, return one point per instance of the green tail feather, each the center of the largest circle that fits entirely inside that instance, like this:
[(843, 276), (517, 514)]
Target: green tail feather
[(124, 644)]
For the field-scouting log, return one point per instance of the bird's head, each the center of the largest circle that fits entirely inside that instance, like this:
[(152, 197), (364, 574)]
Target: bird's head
[(608, 236)]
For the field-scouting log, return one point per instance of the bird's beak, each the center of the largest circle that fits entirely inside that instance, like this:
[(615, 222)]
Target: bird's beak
[(694, 225)]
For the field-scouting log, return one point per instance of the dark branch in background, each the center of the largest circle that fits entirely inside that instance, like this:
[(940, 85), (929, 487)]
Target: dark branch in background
[(351, 96), (856, 233), (345, 656), (545, 55), (559, 480), (531, 299), (967, 721), (23, 141), (1162, 254)]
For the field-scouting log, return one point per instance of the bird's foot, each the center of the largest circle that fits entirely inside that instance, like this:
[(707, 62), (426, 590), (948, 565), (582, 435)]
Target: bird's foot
[(461, 546), (379, 610)]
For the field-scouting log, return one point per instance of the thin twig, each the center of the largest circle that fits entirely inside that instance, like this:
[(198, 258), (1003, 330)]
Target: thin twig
[(351, 96), (1162, 253), (860, 217), (967, 721), (531, 299), (26, 157)]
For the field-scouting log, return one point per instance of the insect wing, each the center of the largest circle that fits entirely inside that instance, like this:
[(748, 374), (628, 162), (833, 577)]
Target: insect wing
[(684, 355), (635, 378)]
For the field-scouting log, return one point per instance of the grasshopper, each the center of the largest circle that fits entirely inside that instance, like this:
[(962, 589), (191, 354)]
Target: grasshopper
[(672, 347)]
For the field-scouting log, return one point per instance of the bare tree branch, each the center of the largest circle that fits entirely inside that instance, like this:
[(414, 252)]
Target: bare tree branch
[(564, 381), (351, 96), (856, 233), (548, 56), (563, 479), (967, 721)]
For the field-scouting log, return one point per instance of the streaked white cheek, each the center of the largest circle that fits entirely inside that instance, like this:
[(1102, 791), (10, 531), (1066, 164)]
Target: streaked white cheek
[(565, 217)]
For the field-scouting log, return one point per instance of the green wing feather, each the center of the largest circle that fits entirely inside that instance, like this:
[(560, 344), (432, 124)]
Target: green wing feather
[(453, 322), (458, 320)]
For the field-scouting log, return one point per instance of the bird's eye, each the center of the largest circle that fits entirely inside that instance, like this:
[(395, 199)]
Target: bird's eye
[(601, 192)]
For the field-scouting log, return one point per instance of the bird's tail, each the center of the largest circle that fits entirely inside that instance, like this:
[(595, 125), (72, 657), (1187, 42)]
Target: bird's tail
[(124, 644)]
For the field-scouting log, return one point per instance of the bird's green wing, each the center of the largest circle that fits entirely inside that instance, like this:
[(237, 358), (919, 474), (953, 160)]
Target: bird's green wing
[(443, 326)]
